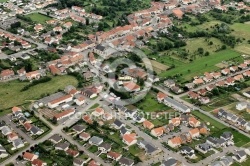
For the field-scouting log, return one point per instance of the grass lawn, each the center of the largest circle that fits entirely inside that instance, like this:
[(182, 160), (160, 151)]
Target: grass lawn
[(11, 94), (1, 1), (203, 64), (218, 102), (37, 17), (241, 30), (94, 106), (135, 150), (150, 104), (243, 48), (93, 149)]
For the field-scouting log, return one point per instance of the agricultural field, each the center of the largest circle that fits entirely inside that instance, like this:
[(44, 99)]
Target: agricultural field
[(11, 89), (203, 64), (241, 30), (158, 67), (39, 18), (243, 48)]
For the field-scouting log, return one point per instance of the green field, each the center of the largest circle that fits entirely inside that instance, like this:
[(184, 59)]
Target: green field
[(11, 94), (203, 64), (150, 104), (241, 30), (1, 1), (39, 18)]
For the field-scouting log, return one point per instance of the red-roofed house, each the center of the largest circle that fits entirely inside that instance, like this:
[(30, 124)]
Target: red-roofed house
[(148, 125), (174, 142), (131, 86), (129, 139), (38, 162), (29, 156), (6, 74), (114, 156), (178, 13), (161, 96), (56, 102), (64, 114), (157, 132)]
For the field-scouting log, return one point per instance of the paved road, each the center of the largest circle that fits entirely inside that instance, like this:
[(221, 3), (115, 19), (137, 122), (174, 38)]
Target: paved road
[(177, 98), (58, 129)]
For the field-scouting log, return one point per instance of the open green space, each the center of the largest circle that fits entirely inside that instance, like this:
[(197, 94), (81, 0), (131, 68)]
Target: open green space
[(39, 18), (1, 1), (241, 30), (218, 102), (150, 104), (203, 64), (11, 94)]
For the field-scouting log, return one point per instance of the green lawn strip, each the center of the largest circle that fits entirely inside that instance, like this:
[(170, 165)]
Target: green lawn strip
[(39, 18), (11, 89)]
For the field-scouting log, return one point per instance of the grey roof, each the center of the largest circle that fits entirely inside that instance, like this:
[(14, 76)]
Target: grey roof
[(62, 145), (205, 146), (5, 130), (169, 82), (230, 115), (118, 123), (79, 128), (243, 122), (234, 118), (2, 149), (95, 140), (34, 129), (2, 124), (216, 163), (226, 135), (150, 148), (17, 142), (187, 148), (78, 161), (176, 104), (56, 138), (184, 117), (241, 153), (170, 162), (100, 47), (212, 139), (227, 160), (106, 146), (239, 120), (123, 130), (126, 161)]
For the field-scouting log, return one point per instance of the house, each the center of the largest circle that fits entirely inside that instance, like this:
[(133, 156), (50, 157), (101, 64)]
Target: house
[(12, 136), (225, 71), (187, 150), (78, 162), (204, 100), (93, 163), (193, 122), (3, 152), (233, 68), (118, 124), (174, 142), (226, 160), (161, 96), (64, 114), (246, 74), (87, 119), (216, 142), (114, 156), (38, 27), (227, 136), (240, 156), (241, 106), (6, 130), (84, 136), (170, 162), (176, 89), (193, 95), (242, 66), (148, 147), (126, 162), (204, 148), (72, 152), (202, 92), (129, 139), (230, 81), (29, 156), (6, 74), (63, 99), (17, 143), (194, 132), (176, 105), (80, 100), (21, 72), (38, 162), (157, 132), (169, 83), (198, 81), (95, 141), (124, 131), (175, 121), (131, 86), (178, 13), (238, 77), (79, 128), (98, 112), (104, 147), (56, 138), (148, 125), (35, 130)]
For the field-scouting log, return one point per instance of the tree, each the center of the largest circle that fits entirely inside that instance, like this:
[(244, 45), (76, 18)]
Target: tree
[(200, 50)]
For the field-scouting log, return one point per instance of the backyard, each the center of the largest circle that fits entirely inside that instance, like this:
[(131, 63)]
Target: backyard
[(39, 18), (11, 94)]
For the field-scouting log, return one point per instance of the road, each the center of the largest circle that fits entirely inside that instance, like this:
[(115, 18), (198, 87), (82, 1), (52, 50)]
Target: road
[(58, 129)]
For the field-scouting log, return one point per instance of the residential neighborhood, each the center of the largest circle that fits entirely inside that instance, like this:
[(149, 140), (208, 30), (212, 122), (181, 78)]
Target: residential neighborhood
[(124, 82)]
